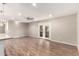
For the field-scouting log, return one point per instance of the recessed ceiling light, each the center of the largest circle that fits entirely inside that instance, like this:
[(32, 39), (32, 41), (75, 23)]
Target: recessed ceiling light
[(50, 15), (19, 14), (34, 4)]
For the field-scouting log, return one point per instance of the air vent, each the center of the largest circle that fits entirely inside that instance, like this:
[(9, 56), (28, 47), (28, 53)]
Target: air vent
[(29, 18)]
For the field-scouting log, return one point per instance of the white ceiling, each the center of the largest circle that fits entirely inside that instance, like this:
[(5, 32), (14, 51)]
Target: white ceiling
[(40, 12)]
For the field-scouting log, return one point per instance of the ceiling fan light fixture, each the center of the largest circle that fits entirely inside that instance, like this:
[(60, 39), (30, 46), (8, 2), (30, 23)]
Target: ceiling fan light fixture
[(29, 18)]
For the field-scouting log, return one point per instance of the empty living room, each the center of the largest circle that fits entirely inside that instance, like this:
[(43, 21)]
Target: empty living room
[(39, 29)]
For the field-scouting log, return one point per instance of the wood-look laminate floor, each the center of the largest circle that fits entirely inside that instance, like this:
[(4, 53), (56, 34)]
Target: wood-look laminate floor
[(28, 46)]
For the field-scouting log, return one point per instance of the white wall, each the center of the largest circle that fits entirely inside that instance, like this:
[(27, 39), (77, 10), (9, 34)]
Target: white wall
[(33, 29), (16, 29), (63, 29)]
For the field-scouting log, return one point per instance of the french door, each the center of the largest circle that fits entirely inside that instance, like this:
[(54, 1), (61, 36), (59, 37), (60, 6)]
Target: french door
[(44, 31)]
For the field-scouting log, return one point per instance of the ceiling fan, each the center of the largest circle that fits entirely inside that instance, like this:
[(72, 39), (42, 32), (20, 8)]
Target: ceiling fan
[(29, 18)]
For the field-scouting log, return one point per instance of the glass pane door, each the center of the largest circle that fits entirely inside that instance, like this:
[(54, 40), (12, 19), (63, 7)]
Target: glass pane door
[(44, 31), (47, 31), (41, 30)]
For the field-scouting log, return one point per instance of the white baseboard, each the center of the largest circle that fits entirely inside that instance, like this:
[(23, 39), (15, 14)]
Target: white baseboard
[(62, 42), (58, 41)]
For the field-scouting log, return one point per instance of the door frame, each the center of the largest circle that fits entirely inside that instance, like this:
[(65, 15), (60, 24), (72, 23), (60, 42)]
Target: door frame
[(44, 24)]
